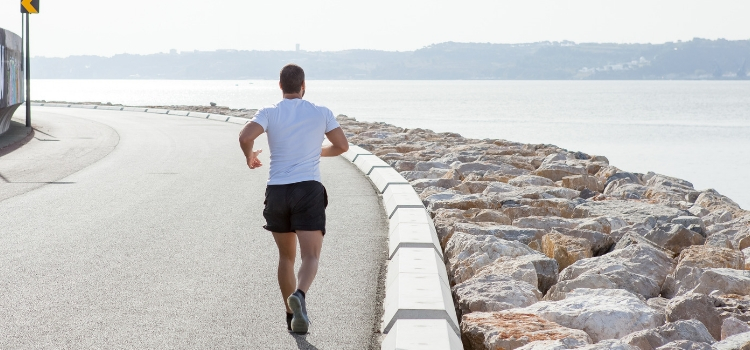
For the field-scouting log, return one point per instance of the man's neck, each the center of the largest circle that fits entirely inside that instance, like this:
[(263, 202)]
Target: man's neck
[(293, 96)]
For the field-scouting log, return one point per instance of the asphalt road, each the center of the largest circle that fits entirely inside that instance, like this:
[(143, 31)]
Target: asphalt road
[(135, 230)]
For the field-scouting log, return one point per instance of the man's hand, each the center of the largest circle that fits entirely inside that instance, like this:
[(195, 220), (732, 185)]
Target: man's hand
[(247, 139), (253, 161)]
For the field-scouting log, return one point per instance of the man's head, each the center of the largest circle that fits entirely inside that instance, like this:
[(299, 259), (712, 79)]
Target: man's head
[(291, 78)]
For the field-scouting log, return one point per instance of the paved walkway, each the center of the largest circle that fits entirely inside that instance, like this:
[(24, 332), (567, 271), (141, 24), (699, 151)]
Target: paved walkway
[(135, 230)]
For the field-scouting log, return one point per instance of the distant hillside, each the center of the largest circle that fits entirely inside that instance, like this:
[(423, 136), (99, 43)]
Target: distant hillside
[(696, 59)]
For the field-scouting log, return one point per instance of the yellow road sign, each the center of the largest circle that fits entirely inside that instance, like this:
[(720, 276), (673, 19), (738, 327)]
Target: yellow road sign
[(29, 6)]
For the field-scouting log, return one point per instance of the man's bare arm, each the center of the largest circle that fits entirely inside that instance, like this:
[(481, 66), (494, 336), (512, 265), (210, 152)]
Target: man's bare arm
[(249, 133), (339, 144)]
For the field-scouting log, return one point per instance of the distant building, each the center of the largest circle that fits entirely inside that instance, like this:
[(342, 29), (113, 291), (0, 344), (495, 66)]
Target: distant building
[(297, 47), (173, 52)]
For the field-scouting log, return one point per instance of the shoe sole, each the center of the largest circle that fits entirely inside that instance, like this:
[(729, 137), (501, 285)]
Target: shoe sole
[(300, 323)]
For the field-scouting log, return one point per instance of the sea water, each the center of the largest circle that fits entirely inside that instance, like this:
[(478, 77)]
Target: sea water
[(695, 130)]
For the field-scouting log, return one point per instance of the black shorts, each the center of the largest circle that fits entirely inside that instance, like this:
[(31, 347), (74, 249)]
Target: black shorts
[(297, 206)]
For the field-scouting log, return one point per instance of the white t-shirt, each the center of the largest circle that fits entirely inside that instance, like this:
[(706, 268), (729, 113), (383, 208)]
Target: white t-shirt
[(295, 130)]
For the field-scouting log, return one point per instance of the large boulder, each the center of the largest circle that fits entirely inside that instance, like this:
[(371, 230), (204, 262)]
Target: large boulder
[(514, 268), (713, 201), (732, 326), (466, 254), (639, 269), (674, 237), (690, 330), (581, 182), (511, 330), (694, 306), (601, 243), (685, 345), (733, 306), (567, 343), (529, 236), (712, 280), (632, 212), (546, 223), (602, 313), (488, 293), (736, 342), (566, 250), (702, 256), (556, 171), (609, 345), (531, 180)]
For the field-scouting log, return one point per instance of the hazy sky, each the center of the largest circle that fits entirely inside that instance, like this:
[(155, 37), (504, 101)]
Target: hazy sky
[(77, 27)]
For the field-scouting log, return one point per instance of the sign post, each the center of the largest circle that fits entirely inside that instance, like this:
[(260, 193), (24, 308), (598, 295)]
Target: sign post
[(27, 7)]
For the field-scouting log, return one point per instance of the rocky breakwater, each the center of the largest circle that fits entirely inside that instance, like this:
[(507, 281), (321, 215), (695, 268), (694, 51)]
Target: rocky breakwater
[(551, 249)]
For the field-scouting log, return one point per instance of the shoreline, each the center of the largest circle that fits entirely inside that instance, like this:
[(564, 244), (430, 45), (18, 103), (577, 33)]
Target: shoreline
[(533, 233)]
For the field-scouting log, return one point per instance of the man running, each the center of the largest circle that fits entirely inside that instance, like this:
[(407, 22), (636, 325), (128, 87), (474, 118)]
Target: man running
[(295, 197)]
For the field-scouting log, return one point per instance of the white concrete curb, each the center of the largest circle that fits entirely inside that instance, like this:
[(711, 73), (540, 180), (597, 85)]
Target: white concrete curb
[(421, 335), (418, 306), (216, 117)]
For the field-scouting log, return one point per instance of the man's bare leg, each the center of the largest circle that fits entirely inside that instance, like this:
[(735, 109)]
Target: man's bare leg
[(287, 244), (310, 243)]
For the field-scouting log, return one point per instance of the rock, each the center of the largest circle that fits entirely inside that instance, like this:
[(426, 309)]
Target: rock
[(624, 189), (726, 281), (674, 237), (581, 182), (609, 345), (702, 256), (483, 168), (746, 252), (513, 268), (529, 236), (633, 212), (530, 180), (694, 306), (426, 166), (736, 342), (466, 254), (546, 270), (506, 330), (421, 184), (545, 223), (685, 345), (639, 269), (688, 330), (660, 305), (601, 313), (458, 201), (698, 211), (417, 175), (712, 280), (626, 177), (717, 217), (489, 215), (720, 240), (687, 221), (638, 229), (713, 201), (565, 249), (734, 306), (567, 343), (603, 224), (489, 292), (600, 243), (557, 171), (732, 326)]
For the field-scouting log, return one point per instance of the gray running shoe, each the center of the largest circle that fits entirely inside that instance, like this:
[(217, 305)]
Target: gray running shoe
[(300, 322)]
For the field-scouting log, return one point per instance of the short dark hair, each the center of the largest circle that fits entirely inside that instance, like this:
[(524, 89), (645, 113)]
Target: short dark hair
[(291, 78)]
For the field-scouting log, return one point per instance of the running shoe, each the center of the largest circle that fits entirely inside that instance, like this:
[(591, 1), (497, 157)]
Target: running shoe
[(300, 322)]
